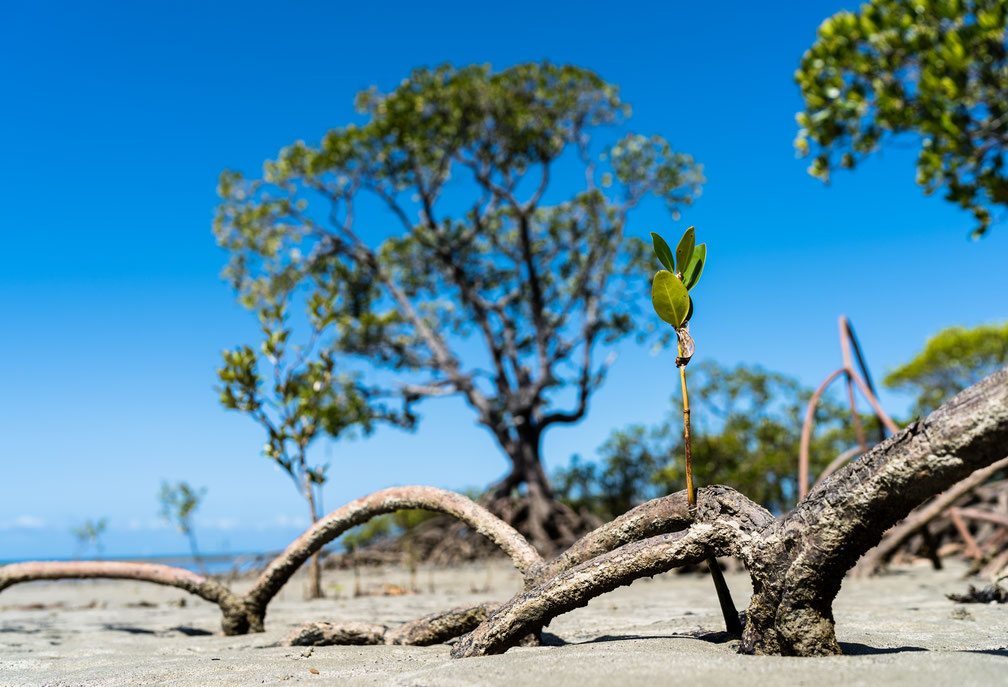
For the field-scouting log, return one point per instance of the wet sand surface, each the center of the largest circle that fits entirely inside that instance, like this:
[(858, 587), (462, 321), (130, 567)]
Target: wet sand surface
[(897, 629)]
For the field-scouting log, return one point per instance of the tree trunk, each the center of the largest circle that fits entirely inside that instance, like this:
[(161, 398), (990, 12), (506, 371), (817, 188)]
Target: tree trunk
[(550, 526), (315, 566)]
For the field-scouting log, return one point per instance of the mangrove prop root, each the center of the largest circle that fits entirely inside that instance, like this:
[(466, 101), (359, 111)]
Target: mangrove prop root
[(233, 608), (875, 559), (431, 629), (796, 564), (522, 554), (325, 634), (440, 627), (574, 588)]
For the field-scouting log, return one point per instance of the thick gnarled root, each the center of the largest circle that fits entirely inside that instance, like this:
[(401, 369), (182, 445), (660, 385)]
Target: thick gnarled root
[(435, 628)]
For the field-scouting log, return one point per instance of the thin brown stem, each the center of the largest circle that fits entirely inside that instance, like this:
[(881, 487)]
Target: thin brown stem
[(690, 491), (728, 610)]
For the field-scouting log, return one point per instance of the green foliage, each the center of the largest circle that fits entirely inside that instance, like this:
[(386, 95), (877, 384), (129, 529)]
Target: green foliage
[(937, 68), (746, 435), (460, 160), (295, 392), (693, 270), (663, 252), (89, 534), (670, 288), (179, 504), (384, 527), (684, 251), (670, 299), (625, 475), (952, 360)]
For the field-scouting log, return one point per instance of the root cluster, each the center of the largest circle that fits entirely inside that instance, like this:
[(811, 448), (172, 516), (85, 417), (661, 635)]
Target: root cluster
[(796, 563)]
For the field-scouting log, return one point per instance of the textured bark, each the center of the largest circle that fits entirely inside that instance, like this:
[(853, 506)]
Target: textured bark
[(440, 627), (798, 566), (658, 516), (723, 525), (235, 617), (875, 559), (531, 610), (431, 629), (326, 634)]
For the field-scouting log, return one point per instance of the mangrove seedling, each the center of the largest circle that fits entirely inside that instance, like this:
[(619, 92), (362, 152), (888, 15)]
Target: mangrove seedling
[(673, 303)]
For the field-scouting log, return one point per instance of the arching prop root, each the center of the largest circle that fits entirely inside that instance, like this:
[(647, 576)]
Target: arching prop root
[(875, 559), (432, 629), (233, 608)]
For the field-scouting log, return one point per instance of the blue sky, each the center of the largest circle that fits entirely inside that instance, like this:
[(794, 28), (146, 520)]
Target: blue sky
[(119, 118)]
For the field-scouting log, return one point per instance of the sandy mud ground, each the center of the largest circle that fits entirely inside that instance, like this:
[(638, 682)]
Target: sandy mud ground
[(896, 630)]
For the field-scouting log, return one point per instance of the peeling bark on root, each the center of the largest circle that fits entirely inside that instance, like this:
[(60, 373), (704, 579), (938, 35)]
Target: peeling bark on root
[(662, 515), (440, 627), (723, 525), (431, 629)]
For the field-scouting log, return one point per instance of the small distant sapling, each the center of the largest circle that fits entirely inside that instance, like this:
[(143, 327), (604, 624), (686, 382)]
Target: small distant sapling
[(673, 303), (89, 534), (178, 504)]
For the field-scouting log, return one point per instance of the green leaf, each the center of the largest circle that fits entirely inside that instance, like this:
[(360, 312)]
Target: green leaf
[(689, 315), (691, 275), (684, 251), (663, 252), (670, 298)]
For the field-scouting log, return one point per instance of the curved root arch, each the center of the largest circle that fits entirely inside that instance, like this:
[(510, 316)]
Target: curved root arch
[(525, 558), (115, 570), (235, 619)]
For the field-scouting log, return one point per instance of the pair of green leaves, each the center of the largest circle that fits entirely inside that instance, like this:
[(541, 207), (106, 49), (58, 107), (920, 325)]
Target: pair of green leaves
[(670, 290)]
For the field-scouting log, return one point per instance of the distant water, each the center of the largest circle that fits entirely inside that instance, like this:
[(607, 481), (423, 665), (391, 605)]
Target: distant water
[(213, 564)]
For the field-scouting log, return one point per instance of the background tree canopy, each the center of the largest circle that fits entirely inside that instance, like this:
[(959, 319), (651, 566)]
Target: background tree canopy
[(937, 68), (482, 277), (952, 360), (748, 427), (746, 435)]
